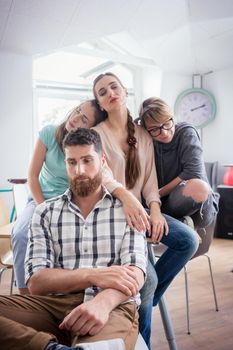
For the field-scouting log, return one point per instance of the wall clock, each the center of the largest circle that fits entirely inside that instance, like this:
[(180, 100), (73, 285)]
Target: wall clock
[(196, 106)]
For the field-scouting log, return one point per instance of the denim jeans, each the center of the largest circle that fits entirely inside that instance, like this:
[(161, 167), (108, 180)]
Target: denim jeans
[(19, 238), (182, 242), (202, 213)]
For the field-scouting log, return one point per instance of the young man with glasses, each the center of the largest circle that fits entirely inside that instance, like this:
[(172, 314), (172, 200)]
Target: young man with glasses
[(183, 184)]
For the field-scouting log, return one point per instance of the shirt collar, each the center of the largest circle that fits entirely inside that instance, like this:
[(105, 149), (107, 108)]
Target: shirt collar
[(106, 201)]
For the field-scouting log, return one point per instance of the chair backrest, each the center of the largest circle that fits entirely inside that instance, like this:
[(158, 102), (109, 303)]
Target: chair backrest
[(4, 215), (20, 193), (206, 235)]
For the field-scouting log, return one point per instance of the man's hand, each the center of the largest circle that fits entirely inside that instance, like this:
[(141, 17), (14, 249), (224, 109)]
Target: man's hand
[(87, 318), (121, 278)]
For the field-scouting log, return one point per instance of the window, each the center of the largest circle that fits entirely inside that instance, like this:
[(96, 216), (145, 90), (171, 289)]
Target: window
[(63, 80)]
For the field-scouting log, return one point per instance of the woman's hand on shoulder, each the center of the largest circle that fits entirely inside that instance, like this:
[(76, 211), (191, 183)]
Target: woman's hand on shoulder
[(136, 215)]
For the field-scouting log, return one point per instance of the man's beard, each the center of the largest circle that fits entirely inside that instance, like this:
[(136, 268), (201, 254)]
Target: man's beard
[(83, 185)]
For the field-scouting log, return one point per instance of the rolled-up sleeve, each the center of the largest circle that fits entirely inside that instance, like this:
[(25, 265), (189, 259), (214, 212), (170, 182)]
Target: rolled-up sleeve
[(40, 252), (134, 249)]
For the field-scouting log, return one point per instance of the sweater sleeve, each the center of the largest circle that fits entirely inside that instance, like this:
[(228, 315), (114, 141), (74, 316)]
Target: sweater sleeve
[(108, 179), (191, 155), (150, 187)]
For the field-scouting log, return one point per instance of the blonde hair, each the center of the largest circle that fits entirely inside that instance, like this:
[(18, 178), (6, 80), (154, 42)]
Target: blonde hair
[(133, 168), (156, 109)]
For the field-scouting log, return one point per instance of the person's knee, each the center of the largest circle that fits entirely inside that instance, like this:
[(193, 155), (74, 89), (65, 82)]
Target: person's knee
[(197, 189), (150, 285), (188, 241), (19, 235), (192, 243)]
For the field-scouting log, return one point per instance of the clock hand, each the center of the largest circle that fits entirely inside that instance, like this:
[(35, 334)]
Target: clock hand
[(198, 107)]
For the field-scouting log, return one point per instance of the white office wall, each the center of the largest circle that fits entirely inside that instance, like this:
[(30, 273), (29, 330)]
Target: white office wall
[(151, 82), (16, 115), (217, 137)]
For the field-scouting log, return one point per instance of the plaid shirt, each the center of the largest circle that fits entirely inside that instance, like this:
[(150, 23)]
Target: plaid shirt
[(59, 237)]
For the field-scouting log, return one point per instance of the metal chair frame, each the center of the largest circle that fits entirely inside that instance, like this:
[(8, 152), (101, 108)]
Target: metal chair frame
[(187, 291), (164, 313), (6, 260)]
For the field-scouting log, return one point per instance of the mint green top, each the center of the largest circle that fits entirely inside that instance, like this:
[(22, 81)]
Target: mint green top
[(53, 177)]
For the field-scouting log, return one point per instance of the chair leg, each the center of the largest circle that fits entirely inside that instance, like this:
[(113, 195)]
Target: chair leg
[(2, 269), (167, 324), (187, 299), (212, 282), (166, 319), (12, 281)]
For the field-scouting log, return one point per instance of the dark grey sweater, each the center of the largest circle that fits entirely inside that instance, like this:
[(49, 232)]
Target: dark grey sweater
[(182, 157)]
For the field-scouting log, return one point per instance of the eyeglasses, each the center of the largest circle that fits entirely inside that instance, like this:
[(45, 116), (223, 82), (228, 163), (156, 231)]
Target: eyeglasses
[(166, 126)]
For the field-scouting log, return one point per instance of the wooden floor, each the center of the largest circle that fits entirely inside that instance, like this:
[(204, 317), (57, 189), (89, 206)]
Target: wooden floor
[(210, 330)]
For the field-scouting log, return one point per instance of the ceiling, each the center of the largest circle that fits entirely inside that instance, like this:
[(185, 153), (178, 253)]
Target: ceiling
[(179, 36)]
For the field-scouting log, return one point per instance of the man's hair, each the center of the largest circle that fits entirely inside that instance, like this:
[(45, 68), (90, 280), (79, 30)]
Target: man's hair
[(82, 137)]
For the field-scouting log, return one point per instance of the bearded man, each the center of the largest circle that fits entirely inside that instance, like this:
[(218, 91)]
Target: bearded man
[(84, 265)]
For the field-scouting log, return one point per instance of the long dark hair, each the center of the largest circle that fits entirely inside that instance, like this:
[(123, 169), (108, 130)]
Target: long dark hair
[(133, 168), (61, 131)]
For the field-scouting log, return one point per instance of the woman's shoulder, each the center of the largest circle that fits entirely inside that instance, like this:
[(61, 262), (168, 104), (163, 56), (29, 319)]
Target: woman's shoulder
[(99, 127), (48, 129), (47, 135), (141, 134), (184, 128), (186, 134)]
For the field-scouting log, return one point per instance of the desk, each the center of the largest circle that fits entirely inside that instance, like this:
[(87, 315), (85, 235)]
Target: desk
[(5, 231), (224, 225)]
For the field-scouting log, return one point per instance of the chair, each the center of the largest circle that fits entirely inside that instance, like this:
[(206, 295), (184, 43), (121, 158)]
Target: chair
[(165, 316), (204, 245), (20, 195), (6, 256), (206, 235)]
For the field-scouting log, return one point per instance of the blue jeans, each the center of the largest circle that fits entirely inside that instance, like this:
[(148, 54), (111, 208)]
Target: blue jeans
[(182, 242), (202, 213), (19, 238)]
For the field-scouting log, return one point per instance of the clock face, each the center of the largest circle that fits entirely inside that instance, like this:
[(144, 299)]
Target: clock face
[(195, 106)]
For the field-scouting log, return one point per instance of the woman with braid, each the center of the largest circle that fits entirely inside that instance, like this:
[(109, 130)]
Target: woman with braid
[(130, 155)]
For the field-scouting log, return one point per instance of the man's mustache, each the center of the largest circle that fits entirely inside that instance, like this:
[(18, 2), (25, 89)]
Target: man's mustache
[(81, 178)]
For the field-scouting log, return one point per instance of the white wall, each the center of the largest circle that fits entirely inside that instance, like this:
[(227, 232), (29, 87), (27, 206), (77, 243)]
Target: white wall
[(16, 116), (151, 82), (217, 137)]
